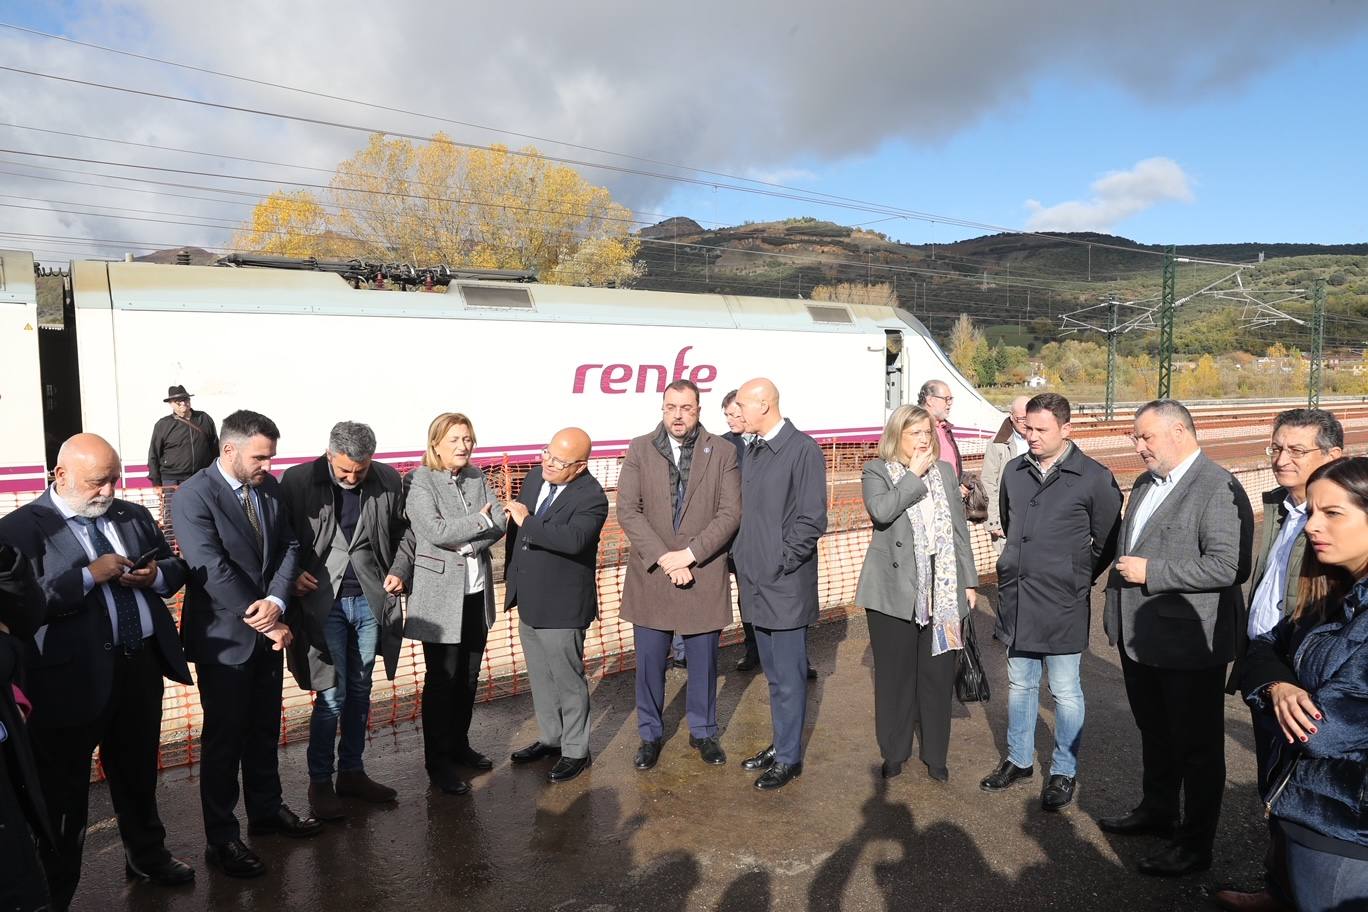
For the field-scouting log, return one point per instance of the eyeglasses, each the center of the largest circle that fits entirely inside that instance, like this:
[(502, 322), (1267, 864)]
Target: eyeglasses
[(919, 434), (679, 409), (556, 462), (946, 399), (1297, 453)]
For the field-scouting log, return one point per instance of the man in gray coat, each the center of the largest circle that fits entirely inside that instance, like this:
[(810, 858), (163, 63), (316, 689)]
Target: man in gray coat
[(1061, 511), (348, 516), (1173, 605), (783, 515), (679, 503), (1006, 445)]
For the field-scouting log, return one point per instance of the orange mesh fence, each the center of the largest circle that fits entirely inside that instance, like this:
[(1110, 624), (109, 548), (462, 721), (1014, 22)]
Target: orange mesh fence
[(608, 644)]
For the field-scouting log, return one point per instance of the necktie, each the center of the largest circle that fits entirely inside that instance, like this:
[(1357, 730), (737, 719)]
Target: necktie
[(546, 504), (125, 600), (249, 507)]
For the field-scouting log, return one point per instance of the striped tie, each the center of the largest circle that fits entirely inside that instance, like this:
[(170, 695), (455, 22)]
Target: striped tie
[(249, 507)]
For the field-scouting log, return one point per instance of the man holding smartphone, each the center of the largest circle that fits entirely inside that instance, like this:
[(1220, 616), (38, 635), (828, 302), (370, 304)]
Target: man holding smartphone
[(95, 666)]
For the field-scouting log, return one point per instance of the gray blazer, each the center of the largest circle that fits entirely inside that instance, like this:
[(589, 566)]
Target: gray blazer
[(1186, 615), (443, 512), (888, 579)]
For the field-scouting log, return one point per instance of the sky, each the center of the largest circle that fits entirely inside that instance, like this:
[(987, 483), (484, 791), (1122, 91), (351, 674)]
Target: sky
[(1166, 122)]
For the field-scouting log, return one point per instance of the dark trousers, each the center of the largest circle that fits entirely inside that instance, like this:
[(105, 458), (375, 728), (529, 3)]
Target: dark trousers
[(241, 731), (751, 648), (700, 692), (127, 732), (1266, 730), (783, 656), (23, 886), (912, 689), (1181, 717), (449, 686)]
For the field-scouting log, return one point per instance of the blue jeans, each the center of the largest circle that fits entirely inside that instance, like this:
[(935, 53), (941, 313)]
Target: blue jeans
[(1023, 706), (1322, 882), (352, 635)]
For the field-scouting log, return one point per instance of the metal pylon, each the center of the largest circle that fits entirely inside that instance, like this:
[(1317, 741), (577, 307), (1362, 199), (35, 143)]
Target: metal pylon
[(1166, 308)]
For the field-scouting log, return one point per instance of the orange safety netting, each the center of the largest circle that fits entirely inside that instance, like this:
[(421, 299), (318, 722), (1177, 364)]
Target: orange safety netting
[(608, 645)]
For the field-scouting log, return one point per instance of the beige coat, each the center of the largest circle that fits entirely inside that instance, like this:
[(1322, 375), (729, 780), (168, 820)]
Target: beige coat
[(712, 513)]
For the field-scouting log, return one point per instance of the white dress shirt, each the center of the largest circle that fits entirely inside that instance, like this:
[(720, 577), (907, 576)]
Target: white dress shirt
[(111, 532), (1266, 608), (1018, 444), (1155, 495), (237, 487)]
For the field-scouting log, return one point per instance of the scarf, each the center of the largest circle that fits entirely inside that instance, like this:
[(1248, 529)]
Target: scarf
[(937, 604), (679, 474)]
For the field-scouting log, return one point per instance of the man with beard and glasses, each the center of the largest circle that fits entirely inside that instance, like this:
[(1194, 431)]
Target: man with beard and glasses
[(96, 663), (348, 515), (235, 534), (679, 503)]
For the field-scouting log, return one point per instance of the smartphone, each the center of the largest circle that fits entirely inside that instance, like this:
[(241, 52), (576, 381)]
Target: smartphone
[(144, 560)]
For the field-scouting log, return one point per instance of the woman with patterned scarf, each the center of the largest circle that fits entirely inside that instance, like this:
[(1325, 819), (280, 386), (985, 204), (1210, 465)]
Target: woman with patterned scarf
[(917, 585)]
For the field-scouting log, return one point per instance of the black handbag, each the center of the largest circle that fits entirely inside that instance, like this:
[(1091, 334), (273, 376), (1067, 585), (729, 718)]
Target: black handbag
[(971, 684)]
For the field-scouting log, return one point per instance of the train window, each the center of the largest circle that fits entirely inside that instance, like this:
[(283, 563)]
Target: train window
[(829, 313), (486, 296)]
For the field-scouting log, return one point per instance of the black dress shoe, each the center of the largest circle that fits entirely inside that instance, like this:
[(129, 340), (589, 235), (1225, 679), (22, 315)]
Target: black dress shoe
[(778, 776), (679, 663), (568, 768), (534, 752), (762, 760), (1058, 793), (812, 673), (168, 873), (1175, 861), (1006, 774), (647, 755), (1138, 823), (286, 823), (448, 782), (938, 773), (472, 759), (234, 859), (749, 662), (890, 769), (709, 750)]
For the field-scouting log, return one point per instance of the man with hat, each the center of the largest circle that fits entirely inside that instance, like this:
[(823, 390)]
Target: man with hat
[(183, 442)]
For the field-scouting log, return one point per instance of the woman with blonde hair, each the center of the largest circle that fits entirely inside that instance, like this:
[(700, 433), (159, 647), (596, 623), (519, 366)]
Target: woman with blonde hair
[(1307, 680), (455, 517), (917, 585)]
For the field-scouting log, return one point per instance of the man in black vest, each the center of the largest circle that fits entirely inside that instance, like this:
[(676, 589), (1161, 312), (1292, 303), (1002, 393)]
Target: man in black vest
[(552, 558)]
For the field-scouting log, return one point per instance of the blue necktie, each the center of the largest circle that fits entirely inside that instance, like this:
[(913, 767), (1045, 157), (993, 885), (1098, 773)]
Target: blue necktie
[(125, 600), (546, 504)]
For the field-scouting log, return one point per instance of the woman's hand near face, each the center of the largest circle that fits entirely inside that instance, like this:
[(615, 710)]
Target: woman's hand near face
[(921, 463)]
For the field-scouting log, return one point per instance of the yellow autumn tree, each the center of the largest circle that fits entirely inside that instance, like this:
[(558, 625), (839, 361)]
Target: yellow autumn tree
[(288, 224), (437, 202)]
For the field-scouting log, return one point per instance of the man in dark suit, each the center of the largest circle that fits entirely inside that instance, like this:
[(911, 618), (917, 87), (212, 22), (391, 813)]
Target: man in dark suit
[(1303, 441), (235, 534), (348, 516), (736, 435), (95, 666), (552, 556), (1173, 605), (22, 810), (783, 515)]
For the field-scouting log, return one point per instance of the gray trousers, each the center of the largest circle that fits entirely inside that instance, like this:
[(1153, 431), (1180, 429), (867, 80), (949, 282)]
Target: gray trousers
[(560, 694)]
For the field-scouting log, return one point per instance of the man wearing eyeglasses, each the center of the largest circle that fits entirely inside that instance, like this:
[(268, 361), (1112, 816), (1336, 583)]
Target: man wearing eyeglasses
[(679, 503), (935, 397), (552, 553), (1303, 441)]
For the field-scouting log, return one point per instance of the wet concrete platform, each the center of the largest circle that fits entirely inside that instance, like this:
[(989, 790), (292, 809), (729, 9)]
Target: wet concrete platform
[(686, 836)]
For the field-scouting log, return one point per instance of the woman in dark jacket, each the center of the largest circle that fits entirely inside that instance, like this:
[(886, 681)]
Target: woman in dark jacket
[(1308, 682), (917, 585)]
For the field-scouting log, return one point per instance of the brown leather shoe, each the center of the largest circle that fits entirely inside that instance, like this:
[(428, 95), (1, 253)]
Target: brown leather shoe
[(1262, 901), (323, 801), (356, 784)]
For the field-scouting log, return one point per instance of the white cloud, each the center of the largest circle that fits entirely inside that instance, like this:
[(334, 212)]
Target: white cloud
[(1116, 197)]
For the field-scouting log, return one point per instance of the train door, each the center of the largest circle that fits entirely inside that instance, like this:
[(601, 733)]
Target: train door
[(58, 367), (895, 377)]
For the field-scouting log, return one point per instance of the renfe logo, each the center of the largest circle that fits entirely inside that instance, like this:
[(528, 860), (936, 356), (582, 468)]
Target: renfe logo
[(614, 379)]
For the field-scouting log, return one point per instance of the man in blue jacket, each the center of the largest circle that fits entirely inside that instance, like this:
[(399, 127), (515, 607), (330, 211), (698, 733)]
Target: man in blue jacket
[(783, 514)]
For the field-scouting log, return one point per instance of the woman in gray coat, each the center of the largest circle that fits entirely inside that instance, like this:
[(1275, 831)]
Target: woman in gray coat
[(454, 518), (917, 585)]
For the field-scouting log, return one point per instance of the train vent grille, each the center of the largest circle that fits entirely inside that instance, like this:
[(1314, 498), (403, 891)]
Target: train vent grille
[(826, 313), (486, 297)]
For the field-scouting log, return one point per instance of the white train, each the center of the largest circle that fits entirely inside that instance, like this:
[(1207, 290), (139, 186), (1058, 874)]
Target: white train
[(522, 359)]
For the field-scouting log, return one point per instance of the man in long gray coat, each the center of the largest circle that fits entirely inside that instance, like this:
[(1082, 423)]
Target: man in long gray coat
[(348, 516), (679, 503), (1174, 604), (783, 515)]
